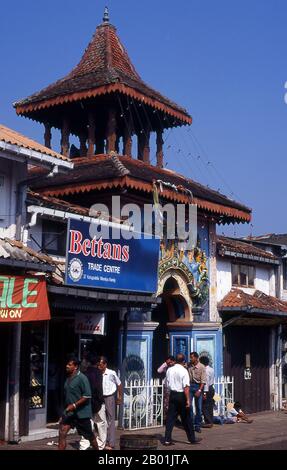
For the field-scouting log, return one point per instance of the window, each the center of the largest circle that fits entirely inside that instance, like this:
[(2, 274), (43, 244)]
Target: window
[(243, 275), (54, 236)]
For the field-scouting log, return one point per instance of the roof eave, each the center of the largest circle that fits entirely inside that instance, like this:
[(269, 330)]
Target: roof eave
[(249, 310), (28, 108), (233, 254), (22, 154), (39, 267), (217, 209)]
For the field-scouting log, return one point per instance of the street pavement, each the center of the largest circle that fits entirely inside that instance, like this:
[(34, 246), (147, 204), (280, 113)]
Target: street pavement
[(267, 432)]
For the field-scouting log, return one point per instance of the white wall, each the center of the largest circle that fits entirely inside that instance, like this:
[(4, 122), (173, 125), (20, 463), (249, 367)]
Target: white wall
[(12, 173), (264, 279), (213, 312), (224, 278)]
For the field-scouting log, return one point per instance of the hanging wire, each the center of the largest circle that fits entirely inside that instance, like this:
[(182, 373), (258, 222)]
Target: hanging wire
[(185, 158), (196, 160), (212, 165), (123, 114), (139, 119)]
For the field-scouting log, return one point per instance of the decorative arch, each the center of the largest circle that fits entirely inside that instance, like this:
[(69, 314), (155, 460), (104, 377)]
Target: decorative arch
[(173, 289)]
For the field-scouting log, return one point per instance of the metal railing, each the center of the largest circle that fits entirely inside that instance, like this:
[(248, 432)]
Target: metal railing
[(224, 394), (143, 404)]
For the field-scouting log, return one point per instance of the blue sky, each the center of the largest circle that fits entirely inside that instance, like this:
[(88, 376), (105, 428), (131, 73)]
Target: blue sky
[(224, 61)]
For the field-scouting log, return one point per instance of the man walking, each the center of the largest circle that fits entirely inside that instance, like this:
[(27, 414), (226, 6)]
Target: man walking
[(98, 405), (197, 376), (77, 399), (177, 380), (207, 401), (111, 386)]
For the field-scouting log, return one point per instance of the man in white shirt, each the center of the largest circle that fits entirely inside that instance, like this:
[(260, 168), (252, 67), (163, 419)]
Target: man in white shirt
[(111, 386), (207, 403), (177, 380)]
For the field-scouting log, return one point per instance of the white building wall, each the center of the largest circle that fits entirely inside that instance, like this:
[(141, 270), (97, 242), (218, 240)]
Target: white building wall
[(263, 280), (224, 278), (11, 173), (214, 316)]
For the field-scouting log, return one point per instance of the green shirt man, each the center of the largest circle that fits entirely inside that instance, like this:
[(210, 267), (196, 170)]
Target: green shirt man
[(77, 387)]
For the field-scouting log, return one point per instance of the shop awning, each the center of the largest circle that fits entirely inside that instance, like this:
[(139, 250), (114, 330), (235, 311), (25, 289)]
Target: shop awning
[(23, 298)]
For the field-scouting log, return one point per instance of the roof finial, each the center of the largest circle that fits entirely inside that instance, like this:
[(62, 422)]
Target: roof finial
[(106, 18)]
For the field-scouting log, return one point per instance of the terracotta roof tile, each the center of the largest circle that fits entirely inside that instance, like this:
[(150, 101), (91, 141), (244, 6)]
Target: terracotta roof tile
[(226, 244), (15, 138), (16, 250), (278, 239), (105, 62), (104, 171), (238, 299), (37, 199)]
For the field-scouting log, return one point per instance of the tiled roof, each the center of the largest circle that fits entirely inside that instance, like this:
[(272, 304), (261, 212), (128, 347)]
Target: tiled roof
[(12, 137), (278, 239), (41, 200), (237, 299), (105, 67), (227, 246), (103, 172), (55, 203), (14, 250)]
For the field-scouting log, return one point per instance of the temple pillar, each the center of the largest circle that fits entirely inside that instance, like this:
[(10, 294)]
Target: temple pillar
[(146, 149), (47, 135), (111, 131), (117, 144), (83, 144), (141, 144), (159, 148), (127, 139), (65, 146), (91, 135), (100, 145)]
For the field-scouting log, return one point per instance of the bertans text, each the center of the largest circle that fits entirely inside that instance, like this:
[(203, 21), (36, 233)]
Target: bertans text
[(97, 248)]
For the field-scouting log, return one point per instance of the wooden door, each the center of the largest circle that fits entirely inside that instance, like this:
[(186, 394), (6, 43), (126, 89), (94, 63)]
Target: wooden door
[(246, 358)]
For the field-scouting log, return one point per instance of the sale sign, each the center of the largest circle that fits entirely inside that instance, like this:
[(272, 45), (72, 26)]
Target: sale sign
[(23, 299)]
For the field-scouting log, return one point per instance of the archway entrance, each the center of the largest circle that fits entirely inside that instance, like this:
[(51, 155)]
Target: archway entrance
[(173, 308)]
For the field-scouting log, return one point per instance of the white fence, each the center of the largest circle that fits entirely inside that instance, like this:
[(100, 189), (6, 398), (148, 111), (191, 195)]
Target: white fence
[(224, 394), (143, 402)]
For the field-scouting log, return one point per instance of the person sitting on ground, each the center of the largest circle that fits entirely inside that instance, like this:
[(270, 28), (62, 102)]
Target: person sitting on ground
[(236, 415)]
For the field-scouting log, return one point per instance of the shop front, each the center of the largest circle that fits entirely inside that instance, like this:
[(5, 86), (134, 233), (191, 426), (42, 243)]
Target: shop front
[(24, 316)]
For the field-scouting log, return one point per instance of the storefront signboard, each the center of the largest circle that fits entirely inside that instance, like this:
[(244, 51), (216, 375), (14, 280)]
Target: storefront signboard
[(23, 299), (117, 263), (90, 323)]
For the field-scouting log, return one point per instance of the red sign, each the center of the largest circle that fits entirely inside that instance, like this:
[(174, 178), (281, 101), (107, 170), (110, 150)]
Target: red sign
[(23, 299)]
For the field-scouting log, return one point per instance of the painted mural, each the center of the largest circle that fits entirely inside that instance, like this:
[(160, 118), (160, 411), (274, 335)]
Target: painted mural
[(192, 264)]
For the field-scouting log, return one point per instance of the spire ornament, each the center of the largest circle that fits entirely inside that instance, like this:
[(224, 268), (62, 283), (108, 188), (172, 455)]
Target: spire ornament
[(106, 18)]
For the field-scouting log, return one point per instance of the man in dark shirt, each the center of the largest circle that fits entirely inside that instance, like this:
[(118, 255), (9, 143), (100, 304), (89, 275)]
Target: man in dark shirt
[(95, 377), (78, 411), (197, 376)]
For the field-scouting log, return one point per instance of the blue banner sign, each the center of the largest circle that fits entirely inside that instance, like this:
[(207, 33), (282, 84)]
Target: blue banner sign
[(110, 263)]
